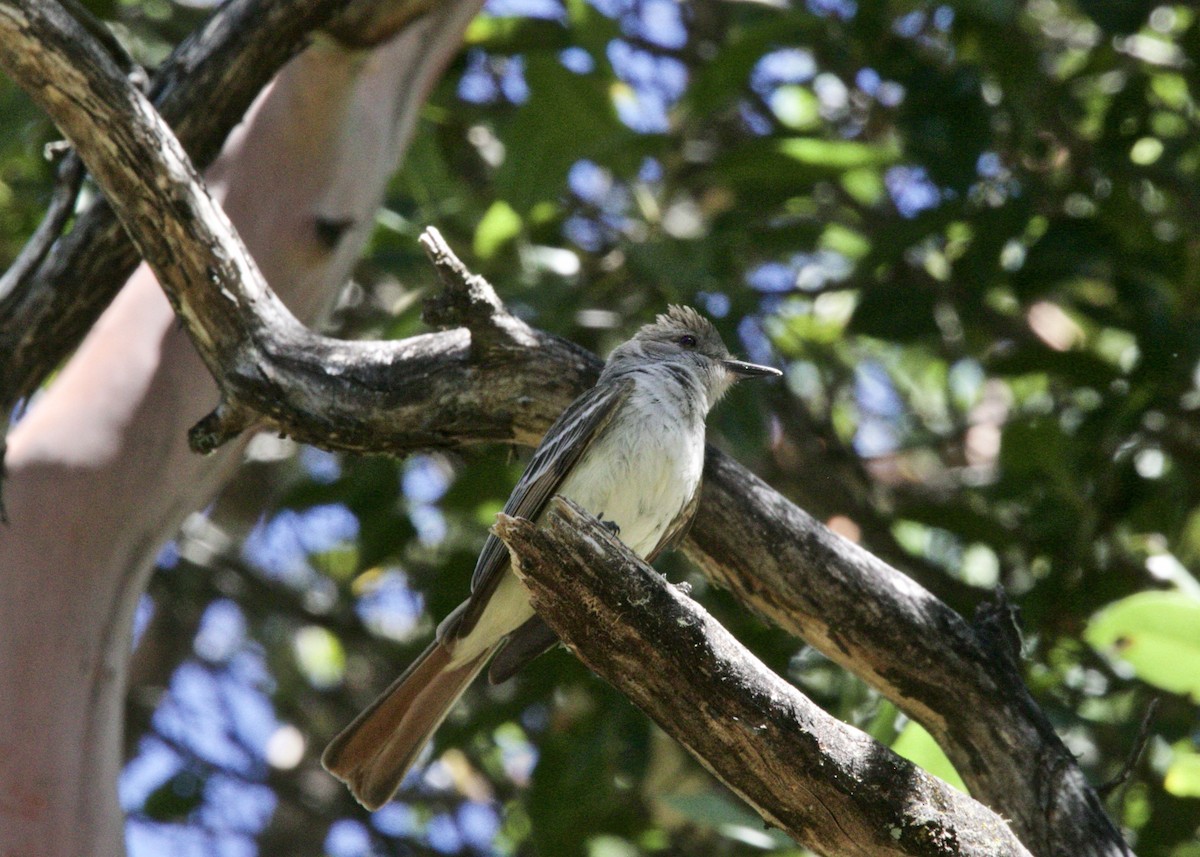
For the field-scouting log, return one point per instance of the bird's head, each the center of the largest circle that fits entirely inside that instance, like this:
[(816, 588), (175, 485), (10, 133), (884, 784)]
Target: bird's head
[(682, 337)]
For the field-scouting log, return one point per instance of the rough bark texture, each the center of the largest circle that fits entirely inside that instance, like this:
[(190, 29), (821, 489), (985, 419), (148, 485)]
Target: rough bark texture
[(962, 685), (326, 391), (202, 90), (847, 603), (827, 785)]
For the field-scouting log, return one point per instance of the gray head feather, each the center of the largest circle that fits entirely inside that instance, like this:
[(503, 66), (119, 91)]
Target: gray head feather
[(681, 321), (679, 339)]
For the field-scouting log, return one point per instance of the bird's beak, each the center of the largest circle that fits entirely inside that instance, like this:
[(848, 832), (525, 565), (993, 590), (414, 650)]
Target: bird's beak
[(750, 370)]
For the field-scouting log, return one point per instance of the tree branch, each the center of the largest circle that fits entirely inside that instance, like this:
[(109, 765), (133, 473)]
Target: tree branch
[(368, 23), (428, 391), (879, 624), (827, 785), (202, 90), (468, 300), (68, 180), (325, 391)]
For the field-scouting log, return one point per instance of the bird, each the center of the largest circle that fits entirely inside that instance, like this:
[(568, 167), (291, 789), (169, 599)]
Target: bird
[(630, 451)]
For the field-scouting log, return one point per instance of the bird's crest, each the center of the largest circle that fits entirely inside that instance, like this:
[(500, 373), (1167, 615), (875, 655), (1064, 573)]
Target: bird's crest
[(679, 318)]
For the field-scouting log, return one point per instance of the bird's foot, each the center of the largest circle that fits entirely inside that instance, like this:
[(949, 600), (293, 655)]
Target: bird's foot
[(611, 526)]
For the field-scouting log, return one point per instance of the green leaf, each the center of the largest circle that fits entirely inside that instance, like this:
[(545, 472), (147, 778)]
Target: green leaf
[(733, 820), (770, 171), (917, 745), (864, 184), (505, 35), (851, 244), (340, 562), (497, 227), (1183, 776), (839, 154), (320, 656), (1156, 633), (797, 107), (568, 117), (723, 80), (611, 846)]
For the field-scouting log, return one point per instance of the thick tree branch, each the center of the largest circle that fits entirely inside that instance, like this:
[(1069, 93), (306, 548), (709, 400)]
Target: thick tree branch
[(202, 90), (827, 785), (429, 391), (958, 681), (325, 391), (367, 23)]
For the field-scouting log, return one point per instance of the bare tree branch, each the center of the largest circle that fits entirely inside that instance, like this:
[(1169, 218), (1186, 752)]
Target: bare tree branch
[(326, 391), (67, 182), (954, 679), (367, 23), (202, 90), (827, 785), (429, 391)]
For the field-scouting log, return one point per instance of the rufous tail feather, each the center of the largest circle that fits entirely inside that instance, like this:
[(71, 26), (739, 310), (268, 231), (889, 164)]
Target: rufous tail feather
[(373, 753)]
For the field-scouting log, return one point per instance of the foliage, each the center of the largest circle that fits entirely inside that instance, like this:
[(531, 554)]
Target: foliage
[(968, 234)]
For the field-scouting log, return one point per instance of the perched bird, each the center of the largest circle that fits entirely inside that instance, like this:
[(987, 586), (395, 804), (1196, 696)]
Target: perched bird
[(630, 451)]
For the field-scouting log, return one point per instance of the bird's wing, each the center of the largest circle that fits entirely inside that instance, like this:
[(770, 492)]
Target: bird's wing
[(565, 442), (530, 641)]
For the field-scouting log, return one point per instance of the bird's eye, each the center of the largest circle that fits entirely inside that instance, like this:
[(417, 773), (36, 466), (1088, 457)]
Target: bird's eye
[(687, 341)]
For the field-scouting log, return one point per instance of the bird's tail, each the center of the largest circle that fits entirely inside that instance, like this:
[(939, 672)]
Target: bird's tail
[(373, 753)]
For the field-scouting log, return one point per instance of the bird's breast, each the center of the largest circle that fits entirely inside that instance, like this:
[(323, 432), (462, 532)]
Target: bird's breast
[(641, 472)]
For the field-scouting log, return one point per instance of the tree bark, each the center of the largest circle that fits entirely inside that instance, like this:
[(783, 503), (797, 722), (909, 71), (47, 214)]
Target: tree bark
[(827, 785), (961, 682), (203, 90)]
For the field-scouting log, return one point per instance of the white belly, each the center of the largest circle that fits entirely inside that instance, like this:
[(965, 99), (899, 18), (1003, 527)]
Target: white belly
[(640, 476)]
